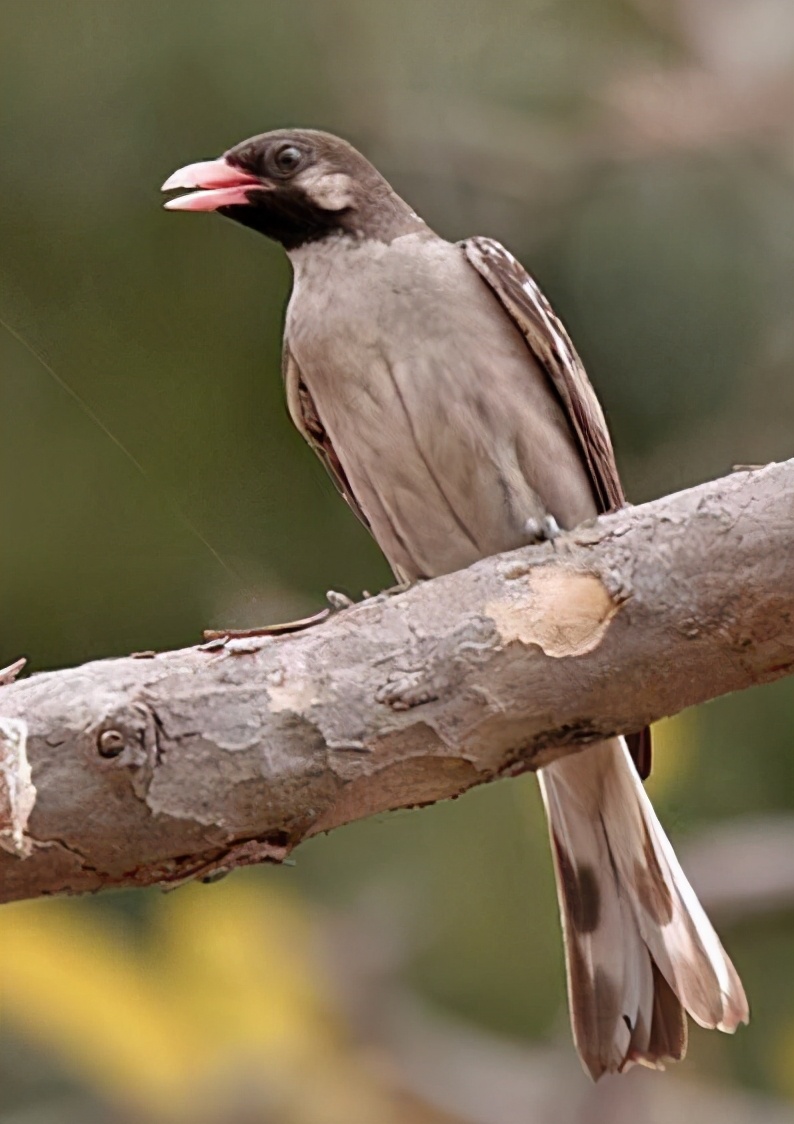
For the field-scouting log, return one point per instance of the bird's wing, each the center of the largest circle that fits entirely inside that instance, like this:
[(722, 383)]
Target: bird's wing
[(307, 421), (551, 345)]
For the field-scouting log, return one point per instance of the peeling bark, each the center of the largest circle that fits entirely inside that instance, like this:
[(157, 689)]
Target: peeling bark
[(185, 764)]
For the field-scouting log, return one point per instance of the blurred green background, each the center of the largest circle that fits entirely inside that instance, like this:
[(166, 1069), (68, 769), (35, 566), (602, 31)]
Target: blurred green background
[(638, 156)]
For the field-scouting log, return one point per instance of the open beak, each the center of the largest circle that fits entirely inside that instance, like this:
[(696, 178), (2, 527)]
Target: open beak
[(220, 184)]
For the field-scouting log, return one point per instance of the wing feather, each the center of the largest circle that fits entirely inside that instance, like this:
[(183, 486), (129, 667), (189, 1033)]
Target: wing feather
[(522, 299)]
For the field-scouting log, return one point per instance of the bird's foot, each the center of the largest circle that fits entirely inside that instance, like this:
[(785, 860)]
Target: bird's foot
[(541, 530)]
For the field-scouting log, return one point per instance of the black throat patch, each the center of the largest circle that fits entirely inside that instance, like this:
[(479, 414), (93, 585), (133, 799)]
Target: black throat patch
[(288, 217)]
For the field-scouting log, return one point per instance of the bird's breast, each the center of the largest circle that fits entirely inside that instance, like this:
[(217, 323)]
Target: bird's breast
[(447, 431)]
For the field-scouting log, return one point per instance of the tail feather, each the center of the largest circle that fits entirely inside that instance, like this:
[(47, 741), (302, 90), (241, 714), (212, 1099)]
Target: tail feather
[(639, 947), (668, 1038)]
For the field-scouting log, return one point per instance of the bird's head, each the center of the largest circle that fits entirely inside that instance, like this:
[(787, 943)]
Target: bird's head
[(295, 186)]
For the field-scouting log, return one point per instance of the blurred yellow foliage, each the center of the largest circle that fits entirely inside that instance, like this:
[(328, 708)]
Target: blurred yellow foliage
[(221, 1009), (675, 744)]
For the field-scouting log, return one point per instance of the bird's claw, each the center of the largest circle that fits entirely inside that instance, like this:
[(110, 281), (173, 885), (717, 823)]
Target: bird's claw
[(542, 530)]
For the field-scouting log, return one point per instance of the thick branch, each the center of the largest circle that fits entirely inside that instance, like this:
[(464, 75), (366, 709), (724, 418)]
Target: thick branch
[(154, 770)]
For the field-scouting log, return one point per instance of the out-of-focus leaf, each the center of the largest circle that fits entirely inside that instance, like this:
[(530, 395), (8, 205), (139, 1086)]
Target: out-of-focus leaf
[(222, 1008)]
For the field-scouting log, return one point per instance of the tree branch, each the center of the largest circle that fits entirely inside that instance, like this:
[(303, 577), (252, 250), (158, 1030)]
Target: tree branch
[(132, 771)]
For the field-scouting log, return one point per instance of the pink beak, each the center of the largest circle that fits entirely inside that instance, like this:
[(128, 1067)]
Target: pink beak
[(220, 185)]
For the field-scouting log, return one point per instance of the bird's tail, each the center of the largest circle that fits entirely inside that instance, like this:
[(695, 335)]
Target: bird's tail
[(639, 948)]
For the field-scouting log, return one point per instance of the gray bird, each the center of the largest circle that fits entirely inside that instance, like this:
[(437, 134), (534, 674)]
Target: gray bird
[(443, 395)]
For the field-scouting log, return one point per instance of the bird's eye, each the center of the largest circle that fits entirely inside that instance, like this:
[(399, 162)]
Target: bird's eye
[(287, 159)]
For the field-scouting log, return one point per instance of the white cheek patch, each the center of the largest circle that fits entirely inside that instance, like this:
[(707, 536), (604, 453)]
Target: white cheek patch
[(333, 191)]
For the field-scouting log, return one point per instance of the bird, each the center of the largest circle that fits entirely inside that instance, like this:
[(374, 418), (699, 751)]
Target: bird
[(445, 398)]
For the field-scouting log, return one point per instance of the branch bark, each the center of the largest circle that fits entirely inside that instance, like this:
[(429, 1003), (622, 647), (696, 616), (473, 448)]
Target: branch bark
[(130, 772)]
